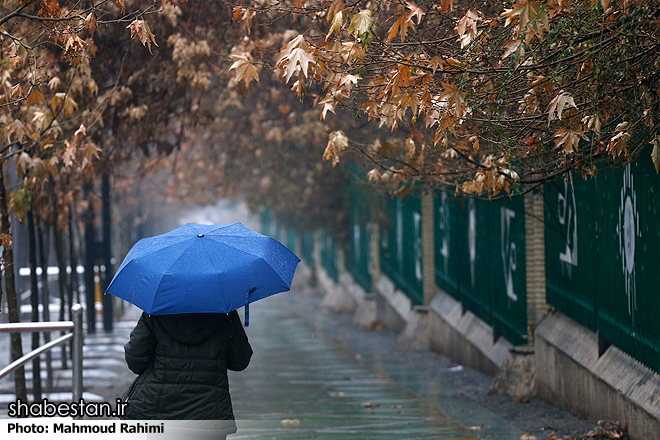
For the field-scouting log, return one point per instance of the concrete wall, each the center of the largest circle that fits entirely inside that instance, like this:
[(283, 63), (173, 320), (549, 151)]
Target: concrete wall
[(570, 374), (464, 337)]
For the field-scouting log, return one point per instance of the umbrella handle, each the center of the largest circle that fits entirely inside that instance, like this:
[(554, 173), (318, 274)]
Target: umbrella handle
[(247, 306)]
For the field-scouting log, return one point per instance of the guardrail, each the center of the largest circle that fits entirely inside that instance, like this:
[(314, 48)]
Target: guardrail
[(76, 334)]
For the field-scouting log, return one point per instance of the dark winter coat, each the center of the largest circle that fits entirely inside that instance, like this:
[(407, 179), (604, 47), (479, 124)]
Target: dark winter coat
[(182, 363)]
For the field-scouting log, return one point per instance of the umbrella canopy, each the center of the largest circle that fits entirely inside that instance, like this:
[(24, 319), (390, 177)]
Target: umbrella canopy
[(203, 268)]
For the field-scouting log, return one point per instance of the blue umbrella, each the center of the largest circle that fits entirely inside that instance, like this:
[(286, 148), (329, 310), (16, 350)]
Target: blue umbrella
[(203, 268)]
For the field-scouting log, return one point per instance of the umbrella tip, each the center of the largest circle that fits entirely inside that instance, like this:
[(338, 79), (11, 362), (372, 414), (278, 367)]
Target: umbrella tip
[(200, 235)]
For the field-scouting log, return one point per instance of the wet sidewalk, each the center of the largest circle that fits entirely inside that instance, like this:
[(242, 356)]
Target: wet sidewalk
[(314, 376), (302, 384), (306, 380)]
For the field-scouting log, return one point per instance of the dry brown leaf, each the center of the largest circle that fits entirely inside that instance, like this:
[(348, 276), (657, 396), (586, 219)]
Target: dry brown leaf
[(522, 399), (655, 153), (337, 144), (16, 91), (140, 29), (568, 140), (415, 12), (400, 27), (336, 7), (557, 105), (90, 22), (336, 24), (455, 99), (361, 23), (298, 61), (245, 69), (245, 15), (446, 5), (122, 5)]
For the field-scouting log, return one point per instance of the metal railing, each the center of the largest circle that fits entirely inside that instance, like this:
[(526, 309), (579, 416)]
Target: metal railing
[(76, 334)]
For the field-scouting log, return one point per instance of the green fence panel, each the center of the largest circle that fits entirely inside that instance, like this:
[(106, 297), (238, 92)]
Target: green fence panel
[(480, 260), (627, 302), (328, 251), (612, 284), (267, 222), (306, 238), (276, 230), (291, 240), (454, 244), (358, 255), (509, 269), (571, 247), (401, 246)]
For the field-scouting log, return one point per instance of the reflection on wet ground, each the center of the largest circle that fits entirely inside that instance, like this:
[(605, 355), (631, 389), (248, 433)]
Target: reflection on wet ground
[(302, 384)]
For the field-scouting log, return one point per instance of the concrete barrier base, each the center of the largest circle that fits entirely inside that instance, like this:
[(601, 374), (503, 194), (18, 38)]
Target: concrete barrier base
[(464, 337), (570, 374)]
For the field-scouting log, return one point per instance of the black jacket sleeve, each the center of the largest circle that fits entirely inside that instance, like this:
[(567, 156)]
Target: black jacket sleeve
[(140, 348), (239, 350)]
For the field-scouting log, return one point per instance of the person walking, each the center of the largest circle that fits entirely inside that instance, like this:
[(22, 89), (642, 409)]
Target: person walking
[(189, 282), (181, 361)]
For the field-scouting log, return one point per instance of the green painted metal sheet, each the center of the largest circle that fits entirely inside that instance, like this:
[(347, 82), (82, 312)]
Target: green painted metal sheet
[(358, 254), (612, 287), (306, 238), (328, 254), (571, 247), (480, 260), (401, 246)]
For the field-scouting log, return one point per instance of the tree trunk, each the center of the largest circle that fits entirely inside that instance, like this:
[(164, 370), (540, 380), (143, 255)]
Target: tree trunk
[(45, 300), (65, 306), (90, 261), (10, 282), (107, 252), (34, 301)]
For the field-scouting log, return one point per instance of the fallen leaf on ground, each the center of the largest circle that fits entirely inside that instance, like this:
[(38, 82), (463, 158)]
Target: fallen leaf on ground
[(370, 405), (290, 422), (521, 399)]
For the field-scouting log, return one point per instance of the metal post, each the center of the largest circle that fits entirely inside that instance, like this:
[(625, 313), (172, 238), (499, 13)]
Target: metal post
[(77, 369)]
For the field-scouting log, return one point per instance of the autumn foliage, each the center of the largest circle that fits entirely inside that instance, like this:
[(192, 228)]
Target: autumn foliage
[(487, 97), (55, 118)]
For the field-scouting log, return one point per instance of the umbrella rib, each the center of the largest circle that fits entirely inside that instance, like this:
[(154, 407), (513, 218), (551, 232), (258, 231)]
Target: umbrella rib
[(268, 240), (217, 274), (165, 272), (160, 249)]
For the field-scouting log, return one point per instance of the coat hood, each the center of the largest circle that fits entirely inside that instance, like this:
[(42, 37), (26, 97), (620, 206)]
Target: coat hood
[(192, 328)]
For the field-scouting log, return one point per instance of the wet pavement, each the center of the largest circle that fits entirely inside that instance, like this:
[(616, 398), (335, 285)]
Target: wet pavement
[(310, 378), (301, 383)]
